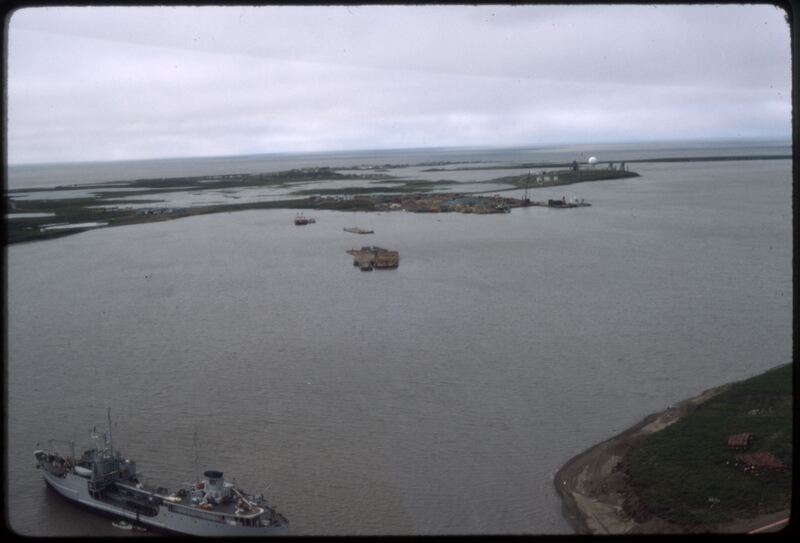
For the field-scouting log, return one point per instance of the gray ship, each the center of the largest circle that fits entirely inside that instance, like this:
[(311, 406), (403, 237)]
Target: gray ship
[(104, 481)]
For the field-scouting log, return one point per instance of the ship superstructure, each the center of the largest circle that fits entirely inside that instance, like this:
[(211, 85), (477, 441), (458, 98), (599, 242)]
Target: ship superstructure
[(105, 481)]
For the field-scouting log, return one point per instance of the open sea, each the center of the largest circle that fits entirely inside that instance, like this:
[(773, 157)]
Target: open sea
[(437, 398)]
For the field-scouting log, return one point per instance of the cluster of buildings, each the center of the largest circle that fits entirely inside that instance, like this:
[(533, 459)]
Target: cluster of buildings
[(430, 203), (754, 463), (443, 203), (446, 203), (159, 210)]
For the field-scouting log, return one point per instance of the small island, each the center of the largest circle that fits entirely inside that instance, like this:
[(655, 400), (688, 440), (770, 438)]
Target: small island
[(106, 205)]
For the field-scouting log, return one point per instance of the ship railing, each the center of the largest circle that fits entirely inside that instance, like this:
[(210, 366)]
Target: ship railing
[(200, 513)]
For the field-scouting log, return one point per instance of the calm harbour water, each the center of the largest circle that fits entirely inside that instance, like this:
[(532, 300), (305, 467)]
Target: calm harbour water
[(438, 398)]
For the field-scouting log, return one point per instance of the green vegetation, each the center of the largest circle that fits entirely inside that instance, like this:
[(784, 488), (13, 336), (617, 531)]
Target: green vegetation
[(565, 177), (75, 212), (217, 182), (420, 183), (523, 166), (406, 186), (356, 190), (686, 473), (100, 206)]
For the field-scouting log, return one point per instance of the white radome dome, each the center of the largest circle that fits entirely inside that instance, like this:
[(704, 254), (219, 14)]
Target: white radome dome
[(592, 160)]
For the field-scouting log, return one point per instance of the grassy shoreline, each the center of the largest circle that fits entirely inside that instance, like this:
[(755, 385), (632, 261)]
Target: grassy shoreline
[(695, 449), (658, 476)]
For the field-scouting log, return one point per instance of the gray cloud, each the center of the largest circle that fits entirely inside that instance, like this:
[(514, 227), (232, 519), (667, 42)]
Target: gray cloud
[(117, 83)]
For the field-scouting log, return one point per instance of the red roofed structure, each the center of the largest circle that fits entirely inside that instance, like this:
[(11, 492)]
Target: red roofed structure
[(761, 461), (740, 441)]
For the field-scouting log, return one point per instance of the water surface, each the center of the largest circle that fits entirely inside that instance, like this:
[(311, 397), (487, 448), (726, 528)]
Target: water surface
[(438, 398)]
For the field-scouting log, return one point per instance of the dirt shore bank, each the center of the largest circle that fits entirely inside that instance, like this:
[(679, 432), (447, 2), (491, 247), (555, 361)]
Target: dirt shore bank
[(593, 489)]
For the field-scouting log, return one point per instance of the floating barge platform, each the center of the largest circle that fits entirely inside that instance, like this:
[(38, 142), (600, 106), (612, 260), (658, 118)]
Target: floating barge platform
[(368, 258)]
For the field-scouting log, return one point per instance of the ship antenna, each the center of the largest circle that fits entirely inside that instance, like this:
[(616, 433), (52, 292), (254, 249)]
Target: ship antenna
[(110, 445), (196, 472)]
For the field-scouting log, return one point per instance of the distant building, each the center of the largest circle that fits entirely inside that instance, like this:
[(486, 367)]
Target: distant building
[(740, 441), (761, 461)]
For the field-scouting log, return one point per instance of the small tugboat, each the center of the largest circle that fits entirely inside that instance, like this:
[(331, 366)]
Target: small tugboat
[(105, 481), (301, 220)]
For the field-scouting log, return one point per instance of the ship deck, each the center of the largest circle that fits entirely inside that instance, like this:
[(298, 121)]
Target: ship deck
[(227, 508)]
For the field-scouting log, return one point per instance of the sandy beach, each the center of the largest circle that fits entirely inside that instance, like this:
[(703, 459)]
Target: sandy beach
[(595, 498)]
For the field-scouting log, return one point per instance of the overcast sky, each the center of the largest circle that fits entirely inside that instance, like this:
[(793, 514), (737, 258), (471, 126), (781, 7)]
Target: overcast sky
[(112, 83)]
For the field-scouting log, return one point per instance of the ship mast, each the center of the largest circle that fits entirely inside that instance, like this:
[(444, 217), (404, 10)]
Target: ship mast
[(110, 446), (196, 471)]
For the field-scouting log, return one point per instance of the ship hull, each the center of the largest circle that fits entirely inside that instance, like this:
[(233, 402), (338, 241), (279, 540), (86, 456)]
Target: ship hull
[(75, 489)]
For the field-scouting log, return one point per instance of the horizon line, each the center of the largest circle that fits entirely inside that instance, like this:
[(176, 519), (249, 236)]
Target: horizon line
[(788, 139)]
